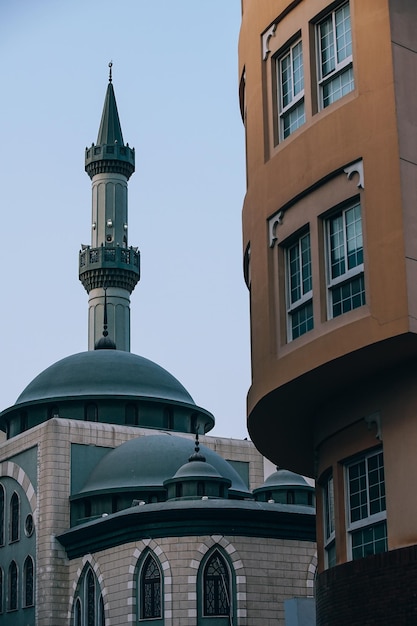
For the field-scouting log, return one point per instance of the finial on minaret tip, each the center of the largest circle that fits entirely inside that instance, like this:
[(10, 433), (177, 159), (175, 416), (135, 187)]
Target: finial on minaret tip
[(110, 66)]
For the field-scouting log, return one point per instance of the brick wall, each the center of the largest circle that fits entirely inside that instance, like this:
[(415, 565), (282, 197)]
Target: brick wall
[(377, 590)]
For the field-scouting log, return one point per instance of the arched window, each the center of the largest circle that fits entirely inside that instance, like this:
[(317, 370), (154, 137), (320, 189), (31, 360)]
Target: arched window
[(101, 617), (216, 587), (88, 601), (1, 590), (12, 587), (77, 613), (91, 599), (2, 498), (14, 517), (150, 589), (28, 588)]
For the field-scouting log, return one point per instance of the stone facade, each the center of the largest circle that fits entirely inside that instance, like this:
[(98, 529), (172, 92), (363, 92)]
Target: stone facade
[(266, 571)]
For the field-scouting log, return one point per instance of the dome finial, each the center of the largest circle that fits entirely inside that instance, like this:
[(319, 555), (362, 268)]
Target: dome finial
[(197, 456), (110, 66)]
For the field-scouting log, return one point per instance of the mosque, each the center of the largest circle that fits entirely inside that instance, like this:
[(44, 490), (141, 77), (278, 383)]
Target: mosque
[(116, 507)]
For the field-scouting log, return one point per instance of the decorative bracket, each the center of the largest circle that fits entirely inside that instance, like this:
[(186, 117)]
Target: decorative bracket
[(265, 41), (375, 418), (356, 168), (273, 224)]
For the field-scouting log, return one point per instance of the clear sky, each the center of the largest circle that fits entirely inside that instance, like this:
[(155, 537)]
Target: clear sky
[(175, 75)]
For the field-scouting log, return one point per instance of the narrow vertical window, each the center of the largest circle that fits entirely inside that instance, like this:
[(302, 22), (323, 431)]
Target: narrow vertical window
[(131, 414), (291, 90), (14, 517), (91, 413), (101, 618), (168, 418), (345, 270), (299, 287), (216, 587), (367, 525), (12, 587), (150, 588), (28, 586), (77, 613), (91, 599), (2, 520), (334, 43)]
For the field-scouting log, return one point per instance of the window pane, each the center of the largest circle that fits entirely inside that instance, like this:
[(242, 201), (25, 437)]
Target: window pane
[(327, 47), (354, 241), (286, 80), (297, 68), (370, 540), (293, 119), (295, 282), (338, 87), (348, 296), (302, 320), (343, 33)]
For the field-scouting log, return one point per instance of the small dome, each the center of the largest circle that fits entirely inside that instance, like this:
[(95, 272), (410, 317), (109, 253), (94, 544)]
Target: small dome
[(146, 462), (284, 478), (104, 373), (197, 469)]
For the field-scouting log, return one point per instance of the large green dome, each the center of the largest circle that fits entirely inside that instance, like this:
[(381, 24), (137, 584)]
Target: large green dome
[(144, 463), (99, 373)]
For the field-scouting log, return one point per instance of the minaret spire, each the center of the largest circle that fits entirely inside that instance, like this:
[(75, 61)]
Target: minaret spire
[(109, 269)]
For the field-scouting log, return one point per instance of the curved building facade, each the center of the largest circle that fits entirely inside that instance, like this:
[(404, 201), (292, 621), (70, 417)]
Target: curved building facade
[(330, 239)]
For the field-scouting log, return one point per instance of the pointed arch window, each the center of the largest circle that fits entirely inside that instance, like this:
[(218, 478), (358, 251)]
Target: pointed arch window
[(216, 587), (77, 613), (150, 589), (91, 596), (88, 601), (2, 499), (12, 587), (101, 617), (14, 517), (28, 582)]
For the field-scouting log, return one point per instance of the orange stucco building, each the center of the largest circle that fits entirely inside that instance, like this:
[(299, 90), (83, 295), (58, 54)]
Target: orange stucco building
[(328, 94)]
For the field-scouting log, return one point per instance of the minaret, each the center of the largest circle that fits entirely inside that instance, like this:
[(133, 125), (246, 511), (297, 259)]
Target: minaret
[(109, 266)]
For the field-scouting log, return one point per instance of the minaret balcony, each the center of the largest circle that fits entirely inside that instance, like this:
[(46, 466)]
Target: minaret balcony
[(109, 266), (110, 158)]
